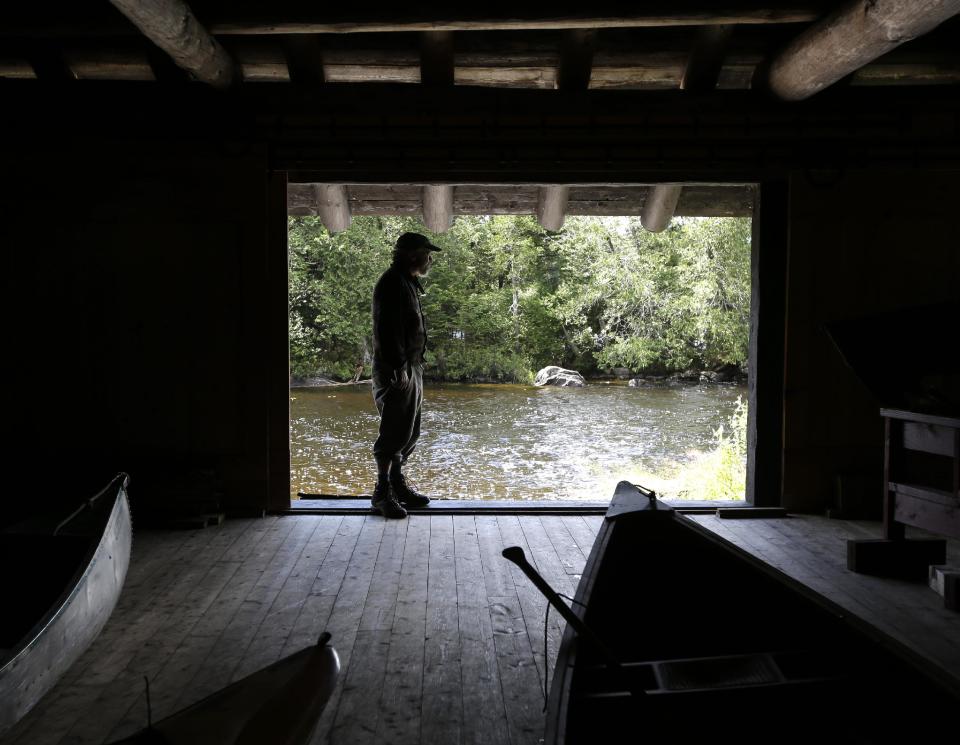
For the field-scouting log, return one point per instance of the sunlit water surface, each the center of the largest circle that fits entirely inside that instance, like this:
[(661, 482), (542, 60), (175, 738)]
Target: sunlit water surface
[(510, 441)]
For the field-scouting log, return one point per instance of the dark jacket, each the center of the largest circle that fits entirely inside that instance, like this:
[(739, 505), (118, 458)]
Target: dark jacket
[(399, 332)]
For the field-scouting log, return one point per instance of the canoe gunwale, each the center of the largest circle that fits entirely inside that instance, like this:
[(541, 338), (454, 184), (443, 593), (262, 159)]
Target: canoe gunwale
[(112, 549)]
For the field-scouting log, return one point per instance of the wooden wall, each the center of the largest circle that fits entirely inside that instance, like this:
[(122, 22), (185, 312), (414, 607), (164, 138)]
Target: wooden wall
[(860, 243), (144, 289), (136, 319)]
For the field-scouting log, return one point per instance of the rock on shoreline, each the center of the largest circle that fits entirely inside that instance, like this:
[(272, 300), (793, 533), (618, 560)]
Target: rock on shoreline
[(558, 376)]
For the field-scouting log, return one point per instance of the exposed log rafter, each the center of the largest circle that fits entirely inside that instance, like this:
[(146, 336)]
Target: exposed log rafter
[(171, 25), (552, 205), (332, 206), (850, 37), (436, 58), (438, 207), (576, 59), (304, 57), (660, 206), (700, 74)]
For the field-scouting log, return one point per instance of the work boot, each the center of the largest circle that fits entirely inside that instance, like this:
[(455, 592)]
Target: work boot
[(405, 494), (385, 501)]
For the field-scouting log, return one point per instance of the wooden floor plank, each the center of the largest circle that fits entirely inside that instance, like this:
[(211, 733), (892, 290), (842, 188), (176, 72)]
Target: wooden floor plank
[(155, 561), (497, 579), (400, 700), (317, 606), (223, 634), (178, 670), (484, 713), (381, 603), (441, 711), (517, 620), (566, 547), (541, 553), (277, 625), (519, 680), (581, 534), (183, 664), (175, 612), (593, 522), (345, 714)]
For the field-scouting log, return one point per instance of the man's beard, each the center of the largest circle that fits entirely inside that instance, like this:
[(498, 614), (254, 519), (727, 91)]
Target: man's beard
[(422, 269)]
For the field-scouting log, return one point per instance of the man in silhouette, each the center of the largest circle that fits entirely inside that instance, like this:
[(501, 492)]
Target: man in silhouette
[(399, 342)]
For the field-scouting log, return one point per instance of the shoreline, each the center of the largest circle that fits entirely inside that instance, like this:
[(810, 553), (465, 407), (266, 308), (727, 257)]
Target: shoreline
[(648, 382)]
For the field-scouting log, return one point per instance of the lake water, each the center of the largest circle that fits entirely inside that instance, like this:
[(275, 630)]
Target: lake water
[(512, 441)]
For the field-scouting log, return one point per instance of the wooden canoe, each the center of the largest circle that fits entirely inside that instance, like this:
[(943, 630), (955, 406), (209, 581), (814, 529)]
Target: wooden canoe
[(67, 574), (280, 704), (690, 639)]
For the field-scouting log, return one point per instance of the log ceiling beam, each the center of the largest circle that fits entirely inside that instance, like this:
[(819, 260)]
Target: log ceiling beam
[(438, 207), (652, 16), (706, 59), (171, 25), (332, 206), (576, 59), (700, 74), (856, 33), (551, 206), (660, 206), (436, 58), (304, 57)]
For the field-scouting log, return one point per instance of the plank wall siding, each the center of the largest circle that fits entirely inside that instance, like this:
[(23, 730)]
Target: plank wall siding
[(440, 638)]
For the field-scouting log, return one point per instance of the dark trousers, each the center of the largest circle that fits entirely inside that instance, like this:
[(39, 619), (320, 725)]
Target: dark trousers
[(399, 414)]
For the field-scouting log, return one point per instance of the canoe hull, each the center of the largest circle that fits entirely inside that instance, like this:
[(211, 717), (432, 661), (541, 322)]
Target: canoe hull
[(280, 704), (31, 668), (715, 644)]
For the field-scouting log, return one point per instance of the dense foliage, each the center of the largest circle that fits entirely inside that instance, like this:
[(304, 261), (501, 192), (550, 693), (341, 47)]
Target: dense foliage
[(506, 297)]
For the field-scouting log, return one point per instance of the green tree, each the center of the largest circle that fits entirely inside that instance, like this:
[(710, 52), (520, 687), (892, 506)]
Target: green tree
[(506, 297)]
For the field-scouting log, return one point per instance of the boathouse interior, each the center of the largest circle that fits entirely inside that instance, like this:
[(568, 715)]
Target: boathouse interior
[(152, 153)]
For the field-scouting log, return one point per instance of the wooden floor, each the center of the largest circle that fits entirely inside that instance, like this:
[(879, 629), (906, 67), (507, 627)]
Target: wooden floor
[(441, 639)]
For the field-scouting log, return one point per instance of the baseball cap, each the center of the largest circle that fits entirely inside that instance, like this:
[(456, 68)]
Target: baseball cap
[(415, 242)]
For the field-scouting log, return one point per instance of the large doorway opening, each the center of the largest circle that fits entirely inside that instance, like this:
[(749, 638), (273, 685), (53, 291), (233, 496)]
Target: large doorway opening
[(657, 322)]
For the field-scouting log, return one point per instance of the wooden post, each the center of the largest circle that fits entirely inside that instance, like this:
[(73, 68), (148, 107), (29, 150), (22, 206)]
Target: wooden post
[(438, 207), (856, 33), (278, 336), (765, 380), (660, 205), (171, 25), (332, 206), (551, 205)]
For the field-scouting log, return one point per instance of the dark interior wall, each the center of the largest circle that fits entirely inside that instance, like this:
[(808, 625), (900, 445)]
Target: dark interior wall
[(135, 319), (861, 243)]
